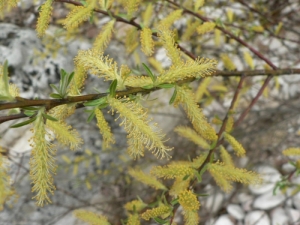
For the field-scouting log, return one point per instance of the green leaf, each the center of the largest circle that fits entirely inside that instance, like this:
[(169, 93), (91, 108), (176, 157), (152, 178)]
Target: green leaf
[(153, 78), (186, 177), (95, 102), (166, 85), (55, 88), (70, 78), (54, 95), (83, 2), (23, 123), (91, 20), (173, 97), (48, 117), (29, 113), (102, 106), (91, 116), (213, 145), (160, 221), (174, 201), (112, 88), (150, 86), (4, 98), (31, 108), (219, 23), (199, 177)]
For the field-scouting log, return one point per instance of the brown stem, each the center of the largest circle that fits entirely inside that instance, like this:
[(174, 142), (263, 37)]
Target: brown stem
[(220, 140), (51, 103), (242, 42)]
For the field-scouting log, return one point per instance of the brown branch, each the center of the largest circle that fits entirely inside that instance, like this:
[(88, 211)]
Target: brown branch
[(220, 140), (242, 42), (51, 103)]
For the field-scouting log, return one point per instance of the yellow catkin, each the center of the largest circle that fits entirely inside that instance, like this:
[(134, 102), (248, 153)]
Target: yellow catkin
[(130, 40), (62, 112), (131, 6), (167, 38), (192, 135), (190, 30), (198, 4), (206, 27), (202, 88), (13, 90), (157, 65), (78, 15), (170, 19), (42, 162), (200, 67), (146, 179), (147, 41), (249, 60), (65, 134), (98, 64), (180, 184), (138, 81), (124, 71), (198, 161), (104, 37), (44, 18), (155, 212), (90, 217), (6, 191), (191, 217), (135, 205), (235, 174), (188, 200), (229, 124), (196, 116), (6, 6), (147, 15), (218, 38), (291, 151), (228, 64), (133, 220), (258, 28), (223, 183), (226, 157), (278, 28), (135, 122), (172, 171), (237, 147), (108, 137), (230, 15), (77, 83)]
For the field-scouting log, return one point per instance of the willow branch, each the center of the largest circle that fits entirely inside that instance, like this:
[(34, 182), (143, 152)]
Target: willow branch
[(231, 35)]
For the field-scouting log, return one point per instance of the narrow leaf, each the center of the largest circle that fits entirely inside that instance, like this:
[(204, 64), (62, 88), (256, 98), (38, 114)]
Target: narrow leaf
[(23, 123), (166, 85), (112, 88), (48, 117), (70, 78), (29, 113), (160, 221), (150, 86), (91, 116), (54, 87), (173, 97), (153, 78), (54, 95), (95, 102)]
